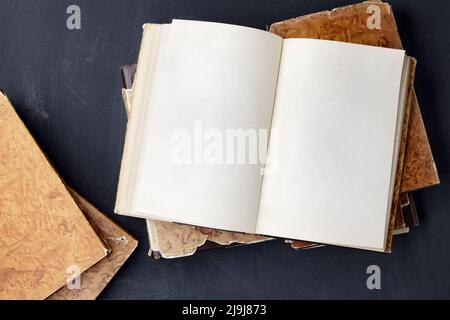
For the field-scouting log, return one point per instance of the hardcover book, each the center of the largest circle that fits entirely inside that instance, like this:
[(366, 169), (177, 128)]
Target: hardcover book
[(43, 232), (325, 100), (348, 24), (121, 245)]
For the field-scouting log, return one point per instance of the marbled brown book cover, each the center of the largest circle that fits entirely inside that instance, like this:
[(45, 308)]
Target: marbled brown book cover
[(349, 24), (42, 230), (173, 240), (96, 278)]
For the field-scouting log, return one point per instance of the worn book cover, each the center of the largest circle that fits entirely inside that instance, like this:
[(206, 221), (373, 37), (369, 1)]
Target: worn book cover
[(96, 278), (43, 233), (351, 19), (347, 24), (350, 24)]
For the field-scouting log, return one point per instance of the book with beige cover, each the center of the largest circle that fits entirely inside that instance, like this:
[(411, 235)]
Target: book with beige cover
[(43, 233)]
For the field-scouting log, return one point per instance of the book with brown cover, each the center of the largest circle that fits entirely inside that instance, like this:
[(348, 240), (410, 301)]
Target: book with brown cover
[(43, 232), (96, 278), (347, 24)]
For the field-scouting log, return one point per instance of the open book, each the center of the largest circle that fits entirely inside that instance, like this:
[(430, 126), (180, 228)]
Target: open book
[(327, 118)]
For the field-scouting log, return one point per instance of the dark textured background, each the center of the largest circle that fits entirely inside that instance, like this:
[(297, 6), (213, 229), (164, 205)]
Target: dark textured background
[(66, 87)]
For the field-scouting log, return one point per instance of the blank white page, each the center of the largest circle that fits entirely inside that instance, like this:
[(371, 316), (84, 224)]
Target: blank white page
[(213, 76), (336, 115)]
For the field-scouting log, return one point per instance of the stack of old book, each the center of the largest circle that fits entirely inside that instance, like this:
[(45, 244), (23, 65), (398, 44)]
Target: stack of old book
[(53, 243), (344, 202)]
